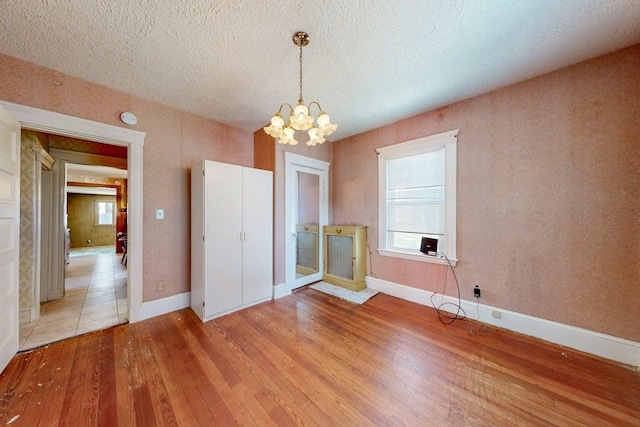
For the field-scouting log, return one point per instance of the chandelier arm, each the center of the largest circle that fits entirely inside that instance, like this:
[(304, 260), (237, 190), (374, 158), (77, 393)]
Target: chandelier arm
[(286, 104), (317, 104)]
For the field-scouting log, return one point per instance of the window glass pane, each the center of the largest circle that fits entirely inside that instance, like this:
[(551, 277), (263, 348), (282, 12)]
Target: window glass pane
[(415, 195), (105, 213)]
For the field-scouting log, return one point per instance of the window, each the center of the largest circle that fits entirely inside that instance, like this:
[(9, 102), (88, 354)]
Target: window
[(105, 213), (417, 196)]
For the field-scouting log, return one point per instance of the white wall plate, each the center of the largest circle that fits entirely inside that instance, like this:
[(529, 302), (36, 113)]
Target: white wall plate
[(128, 118)]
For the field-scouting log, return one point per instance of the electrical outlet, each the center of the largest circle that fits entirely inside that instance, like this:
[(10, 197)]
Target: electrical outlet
[(496, 314), (160, 286), (476, 291)]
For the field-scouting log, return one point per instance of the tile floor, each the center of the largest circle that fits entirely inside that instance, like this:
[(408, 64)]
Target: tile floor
[(95, 298)]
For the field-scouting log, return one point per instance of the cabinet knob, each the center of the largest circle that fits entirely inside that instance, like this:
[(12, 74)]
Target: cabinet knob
[(339, 230)]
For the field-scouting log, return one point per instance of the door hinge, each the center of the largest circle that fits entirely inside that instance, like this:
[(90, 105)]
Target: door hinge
[(202, 172), (203, 238), (203, 303)]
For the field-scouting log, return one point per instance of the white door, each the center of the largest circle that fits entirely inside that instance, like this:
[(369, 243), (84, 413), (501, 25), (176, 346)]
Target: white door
[(9, 235), (223, 237), (307, 203), (257, 225)]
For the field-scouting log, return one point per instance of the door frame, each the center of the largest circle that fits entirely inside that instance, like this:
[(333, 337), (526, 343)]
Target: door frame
[(43, 160), (75, 127), (293, 164)]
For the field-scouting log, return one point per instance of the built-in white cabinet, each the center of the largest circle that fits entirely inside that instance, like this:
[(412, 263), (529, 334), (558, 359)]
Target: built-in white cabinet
[(231, 238)]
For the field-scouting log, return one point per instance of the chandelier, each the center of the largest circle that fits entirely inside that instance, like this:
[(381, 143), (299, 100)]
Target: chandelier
[(299, 118)]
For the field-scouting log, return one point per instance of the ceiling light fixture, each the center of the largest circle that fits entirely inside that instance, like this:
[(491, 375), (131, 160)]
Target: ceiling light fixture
[(299, 118)]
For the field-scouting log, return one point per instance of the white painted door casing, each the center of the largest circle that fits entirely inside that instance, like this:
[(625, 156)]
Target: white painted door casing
[(75, 127)]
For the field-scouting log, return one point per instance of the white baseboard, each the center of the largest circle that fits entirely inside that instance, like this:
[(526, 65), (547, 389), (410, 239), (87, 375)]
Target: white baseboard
[(164, 305), (233, 310), (27, 315), (607, 346), (279, 291)]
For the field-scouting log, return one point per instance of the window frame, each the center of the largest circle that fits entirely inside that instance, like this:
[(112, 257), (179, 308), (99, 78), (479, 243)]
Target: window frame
[(447, 140), (97, 213)]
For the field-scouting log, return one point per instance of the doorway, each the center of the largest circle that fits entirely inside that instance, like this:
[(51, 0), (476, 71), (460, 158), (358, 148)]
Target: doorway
[(64, 125), (307, 211)]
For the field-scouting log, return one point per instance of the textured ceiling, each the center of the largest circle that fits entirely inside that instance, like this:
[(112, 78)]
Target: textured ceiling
[(370, 62)]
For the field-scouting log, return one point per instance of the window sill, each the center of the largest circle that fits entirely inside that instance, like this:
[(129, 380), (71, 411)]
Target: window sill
[(418, 257)]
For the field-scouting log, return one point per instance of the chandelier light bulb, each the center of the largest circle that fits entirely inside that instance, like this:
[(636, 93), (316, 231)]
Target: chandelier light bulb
[(299, 117), (277, 123), (288, 136), (315, 137), (325, 125)]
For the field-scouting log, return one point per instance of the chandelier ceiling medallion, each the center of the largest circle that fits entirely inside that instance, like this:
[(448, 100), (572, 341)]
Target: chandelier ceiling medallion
[(299, 118)]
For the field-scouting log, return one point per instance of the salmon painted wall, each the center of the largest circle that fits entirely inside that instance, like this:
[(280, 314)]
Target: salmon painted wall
[(175, 141), (548, 195)]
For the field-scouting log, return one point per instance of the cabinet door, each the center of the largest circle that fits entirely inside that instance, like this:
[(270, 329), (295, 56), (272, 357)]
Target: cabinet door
[(258, 226), (223, 232), (340, 256)]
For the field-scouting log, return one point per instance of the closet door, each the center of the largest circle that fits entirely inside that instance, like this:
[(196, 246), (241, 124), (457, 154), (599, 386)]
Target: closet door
[(257, 254), (223, 237)]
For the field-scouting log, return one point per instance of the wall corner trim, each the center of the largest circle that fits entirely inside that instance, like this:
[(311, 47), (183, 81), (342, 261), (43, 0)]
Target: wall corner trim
[(164, 305), (607, 346), (280, 291)]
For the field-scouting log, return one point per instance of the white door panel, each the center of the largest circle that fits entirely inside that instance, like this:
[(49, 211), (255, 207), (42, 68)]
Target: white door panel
[(9, 235), (257, 257), (223, 225)]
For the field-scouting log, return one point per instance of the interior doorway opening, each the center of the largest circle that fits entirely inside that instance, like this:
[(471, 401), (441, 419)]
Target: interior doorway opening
[(30, 118), (85, 200)]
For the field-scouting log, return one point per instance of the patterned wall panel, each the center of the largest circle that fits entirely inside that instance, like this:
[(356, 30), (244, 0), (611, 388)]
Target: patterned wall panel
[(27, 219)]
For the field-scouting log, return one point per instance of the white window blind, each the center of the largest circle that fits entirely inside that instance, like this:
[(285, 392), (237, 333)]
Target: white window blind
[(415, 198), (417, 194)]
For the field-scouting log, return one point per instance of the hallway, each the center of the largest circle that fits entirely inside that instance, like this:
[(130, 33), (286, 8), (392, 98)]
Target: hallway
[(95, 298)]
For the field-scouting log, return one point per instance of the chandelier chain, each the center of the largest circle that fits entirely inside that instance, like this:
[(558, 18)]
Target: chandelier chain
[(300, 97)]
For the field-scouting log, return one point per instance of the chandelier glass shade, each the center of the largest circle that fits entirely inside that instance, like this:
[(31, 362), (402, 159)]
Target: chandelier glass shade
[(284, 131)]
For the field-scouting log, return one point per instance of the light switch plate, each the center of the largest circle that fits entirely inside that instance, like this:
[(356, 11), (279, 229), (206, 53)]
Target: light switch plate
[(159, 213)]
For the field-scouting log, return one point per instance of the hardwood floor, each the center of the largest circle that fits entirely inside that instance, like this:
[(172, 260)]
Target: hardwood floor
[(311, 359)]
